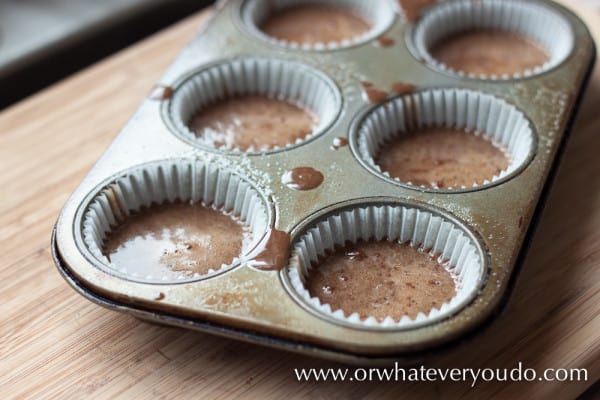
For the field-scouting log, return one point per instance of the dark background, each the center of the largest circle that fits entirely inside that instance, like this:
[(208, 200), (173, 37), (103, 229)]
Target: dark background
[(45, 66)]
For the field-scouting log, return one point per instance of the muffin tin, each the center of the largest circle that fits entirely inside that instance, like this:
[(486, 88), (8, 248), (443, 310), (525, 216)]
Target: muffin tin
[(479, 230)]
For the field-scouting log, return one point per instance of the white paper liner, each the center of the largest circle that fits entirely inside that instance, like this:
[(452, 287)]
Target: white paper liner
[(379, 13), (480, 113), (286, 80), (422, 229), (202, 182), (532, 19)]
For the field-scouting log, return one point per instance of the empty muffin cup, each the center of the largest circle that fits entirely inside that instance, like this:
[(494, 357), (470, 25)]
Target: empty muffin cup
[(174, 221), (253, 105), (493, 39), (384, 264), (444, 140), (317, 25)]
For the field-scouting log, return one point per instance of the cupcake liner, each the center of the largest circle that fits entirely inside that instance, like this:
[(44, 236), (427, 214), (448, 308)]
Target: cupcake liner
[(274, 78), (195, 181), (452, 244), (532, 19), (480, 113), (379, 13)]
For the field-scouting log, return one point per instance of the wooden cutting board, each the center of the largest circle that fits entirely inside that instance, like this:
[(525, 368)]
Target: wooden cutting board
[(56, 344)]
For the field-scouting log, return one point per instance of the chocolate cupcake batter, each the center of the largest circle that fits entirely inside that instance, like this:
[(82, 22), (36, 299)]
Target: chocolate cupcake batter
[(489, 52), (381, 279), (257, 122), (413, 9), (339, 142), (313, 23), (442, 158), (303, 178), (176, 237), (161, 92)]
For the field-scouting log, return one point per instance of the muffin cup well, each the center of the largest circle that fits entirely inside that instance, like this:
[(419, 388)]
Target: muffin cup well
[(455, 247), (493, 118), (285, 80), (379, 13), (204, 182), (532, 19)]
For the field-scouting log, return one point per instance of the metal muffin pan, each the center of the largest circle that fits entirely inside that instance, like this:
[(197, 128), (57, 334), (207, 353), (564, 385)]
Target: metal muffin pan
[(249, 302)]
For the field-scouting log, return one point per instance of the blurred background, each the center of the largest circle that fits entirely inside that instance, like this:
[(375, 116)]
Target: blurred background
[(43, 41)]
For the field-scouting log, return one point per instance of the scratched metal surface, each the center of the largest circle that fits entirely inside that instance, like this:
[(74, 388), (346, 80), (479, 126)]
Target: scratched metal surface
[(258, 301)]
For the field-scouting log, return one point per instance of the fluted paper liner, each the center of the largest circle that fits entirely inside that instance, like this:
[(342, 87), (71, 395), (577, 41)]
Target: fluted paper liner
[(422, 229), (285, 80), (532, 19), (204, 182), (380, 14), (476, 112)]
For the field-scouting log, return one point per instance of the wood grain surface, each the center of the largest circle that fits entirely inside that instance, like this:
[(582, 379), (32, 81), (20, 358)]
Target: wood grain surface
[(56, 344)]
